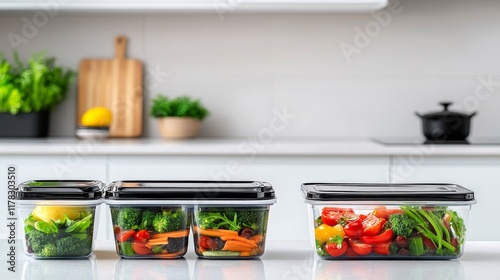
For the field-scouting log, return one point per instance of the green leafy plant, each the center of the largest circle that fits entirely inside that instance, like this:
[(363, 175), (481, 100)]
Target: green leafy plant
[(182, 106), (35, 87)]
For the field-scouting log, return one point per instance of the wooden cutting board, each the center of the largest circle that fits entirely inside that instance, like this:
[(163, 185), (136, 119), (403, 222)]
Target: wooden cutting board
[(116, 84)]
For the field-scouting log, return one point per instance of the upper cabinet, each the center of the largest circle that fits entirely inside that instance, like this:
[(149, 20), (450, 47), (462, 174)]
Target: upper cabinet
[(196, 5)]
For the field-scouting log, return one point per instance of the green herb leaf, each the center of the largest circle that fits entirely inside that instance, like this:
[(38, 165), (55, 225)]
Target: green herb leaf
[(45, 227)]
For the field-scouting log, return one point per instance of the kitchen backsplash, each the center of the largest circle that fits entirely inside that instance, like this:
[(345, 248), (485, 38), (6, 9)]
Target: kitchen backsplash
[(321, 75)]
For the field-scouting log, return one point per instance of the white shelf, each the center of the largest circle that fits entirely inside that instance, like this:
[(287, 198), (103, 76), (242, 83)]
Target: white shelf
[(197, 5)]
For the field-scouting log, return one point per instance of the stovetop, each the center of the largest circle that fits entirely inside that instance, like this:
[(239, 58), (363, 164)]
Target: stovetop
[(394, 141)]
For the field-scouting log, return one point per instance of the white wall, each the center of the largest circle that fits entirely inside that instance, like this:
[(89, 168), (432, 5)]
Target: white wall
[(244, 65)]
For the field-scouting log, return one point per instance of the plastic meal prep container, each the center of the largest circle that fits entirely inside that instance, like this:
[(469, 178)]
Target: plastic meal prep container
[(151, 219), (59, 217), (230, 219), (388, 221)]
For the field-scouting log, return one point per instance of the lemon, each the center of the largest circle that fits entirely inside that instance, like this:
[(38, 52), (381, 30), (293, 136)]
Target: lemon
[(56, 213), (97, 116)]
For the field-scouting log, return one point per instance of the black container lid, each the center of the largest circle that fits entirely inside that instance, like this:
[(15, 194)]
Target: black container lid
[(60, 190), (386, 192), (189, 190)]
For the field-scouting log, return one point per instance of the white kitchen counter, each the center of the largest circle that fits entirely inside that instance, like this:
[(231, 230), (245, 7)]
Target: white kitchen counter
[(235, 147), (282, 260)]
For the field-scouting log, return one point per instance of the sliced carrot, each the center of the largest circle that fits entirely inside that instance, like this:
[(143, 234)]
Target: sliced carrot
[(257, 238), (245, 254), (169, 255), (172, 234), (157, 241), (241, 239), (214, 232), (236, 246)]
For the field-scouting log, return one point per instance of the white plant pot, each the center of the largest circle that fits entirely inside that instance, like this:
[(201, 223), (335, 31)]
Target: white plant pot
[(178, 127)]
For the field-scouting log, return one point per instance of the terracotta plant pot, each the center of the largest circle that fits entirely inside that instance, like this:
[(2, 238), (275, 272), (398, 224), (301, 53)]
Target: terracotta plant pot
[(176, 127)]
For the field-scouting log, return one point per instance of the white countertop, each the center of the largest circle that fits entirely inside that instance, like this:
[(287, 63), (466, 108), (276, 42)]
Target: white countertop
[(282, 260), (236, 147)]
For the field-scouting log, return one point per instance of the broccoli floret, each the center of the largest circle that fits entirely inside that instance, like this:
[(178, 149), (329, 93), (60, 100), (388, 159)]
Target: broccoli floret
[(36, 240), (148, 217), (439, 211), (73, 246), (207, 220), (170, 221), (129, 218), (393, 248), (48, 250), (255, 219), (402, 224)]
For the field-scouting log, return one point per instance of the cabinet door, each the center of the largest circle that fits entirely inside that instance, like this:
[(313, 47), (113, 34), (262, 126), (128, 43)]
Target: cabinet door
[(71, 166), (288, 218), (481, 175)]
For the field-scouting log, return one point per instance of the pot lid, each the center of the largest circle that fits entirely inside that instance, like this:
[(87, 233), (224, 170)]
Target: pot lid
[(445, 112), (190, 190), (386, 192), (60, 190)]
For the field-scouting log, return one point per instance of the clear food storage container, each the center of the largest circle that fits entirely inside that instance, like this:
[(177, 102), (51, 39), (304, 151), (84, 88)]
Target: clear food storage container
[(59, 217), (230, 219), (388, 221), (150, 218)]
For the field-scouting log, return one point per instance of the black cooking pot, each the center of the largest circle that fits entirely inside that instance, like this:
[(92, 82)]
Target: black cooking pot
[(446, 125)]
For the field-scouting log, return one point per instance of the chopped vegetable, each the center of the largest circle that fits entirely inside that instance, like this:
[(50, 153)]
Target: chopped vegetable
[(167, 221), (238, 231), (151, 232), (402, 224), (221, 254), (61, 238), (128, 218), (416, 246), (408, 231)]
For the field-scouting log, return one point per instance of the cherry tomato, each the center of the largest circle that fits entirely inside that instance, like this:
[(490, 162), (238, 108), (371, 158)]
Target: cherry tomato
[(208, 243), (385, 236), (350, 252), (336, 250), (382, 248), (203, 241), (372, 225), (354, 228), (401, 241), (428, 243), (124, 236), (140, 248), (142, 235), (332, 215), (383, 212), (324, 232), (359, 247)]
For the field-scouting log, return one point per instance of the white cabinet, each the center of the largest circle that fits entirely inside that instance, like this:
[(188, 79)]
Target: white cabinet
[(289, 216), (71, 166), (482, 175)]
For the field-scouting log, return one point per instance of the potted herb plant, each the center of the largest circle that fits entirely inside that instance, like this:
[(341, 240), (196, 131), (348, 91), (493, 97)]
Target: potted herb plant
[(178, 117), (28, 93)]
